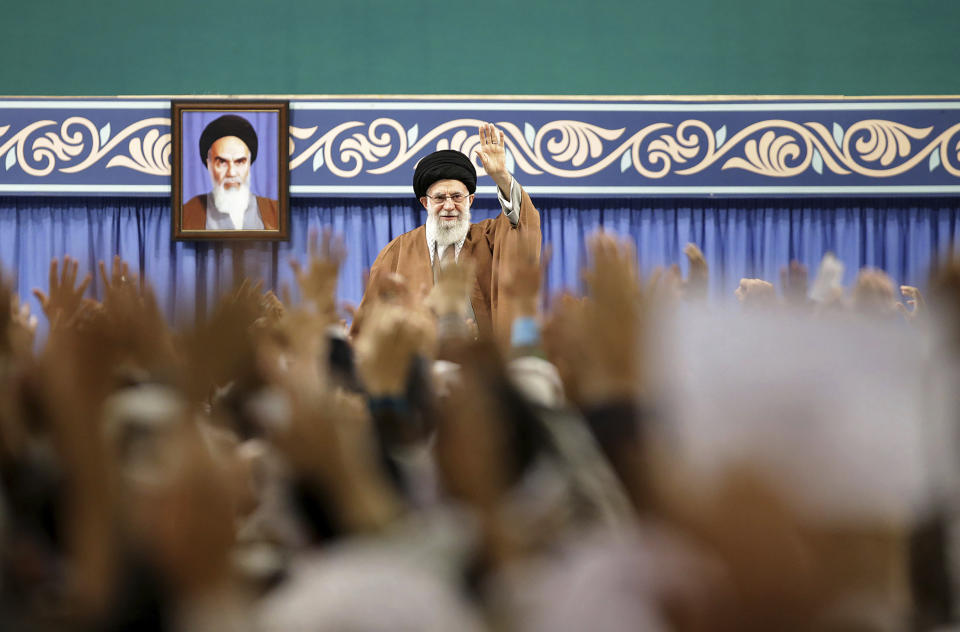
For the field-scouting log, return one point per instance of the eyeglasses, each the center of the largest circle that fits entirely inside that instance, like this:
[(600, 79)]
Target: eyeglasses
[(456, 198)]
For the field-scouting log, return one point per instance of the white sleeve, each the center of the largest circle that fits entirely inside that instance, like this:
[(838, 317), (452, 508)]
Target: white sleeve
[(511, 207)]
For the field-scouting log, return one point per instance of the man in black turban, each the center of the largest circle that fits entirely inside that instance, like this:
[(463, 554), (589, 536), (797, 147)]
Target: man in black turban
[(228, 146), (445, 183)]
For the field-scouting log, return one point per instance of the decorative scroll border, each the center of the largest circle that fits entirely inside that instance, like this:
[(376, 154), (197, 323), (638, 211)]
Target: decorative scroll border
[(703, 150), (574, 149), (76, 144)]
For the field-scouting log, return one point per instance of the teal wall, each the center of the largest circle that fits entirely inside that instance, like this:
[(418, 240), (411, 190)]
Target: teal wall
[(852, 47)]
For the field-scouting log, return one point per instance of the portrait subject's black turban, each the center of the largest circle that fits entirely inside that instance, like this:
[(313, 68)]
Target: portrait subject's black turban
[(228, 125), (446, 164)]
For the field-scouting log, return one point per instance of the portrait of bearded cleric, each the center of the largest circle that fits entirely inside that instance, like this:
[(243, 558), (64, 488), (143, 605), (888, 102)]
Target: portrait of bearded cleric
[(229, 179)]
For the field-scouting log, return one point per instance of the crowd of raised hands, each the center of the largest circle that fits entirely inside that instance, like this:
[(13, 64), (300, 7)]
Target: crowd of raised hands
[(261, 470)]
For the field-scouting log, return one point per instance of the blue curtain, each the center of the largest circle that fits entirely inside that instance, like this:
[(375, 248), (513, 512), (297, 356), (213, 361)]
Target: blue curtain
[(756, 237), (739, 237)]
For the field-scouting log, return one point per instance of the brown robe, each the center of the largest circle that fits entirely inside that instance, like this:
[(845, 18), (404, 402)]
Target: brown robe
[(492, 244), (195, 213)]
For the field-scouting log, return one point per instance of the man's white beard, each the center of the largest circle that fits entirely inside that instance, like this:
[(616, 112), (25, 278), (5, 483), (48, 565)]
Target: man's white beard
[(449, 232), (233, 201)]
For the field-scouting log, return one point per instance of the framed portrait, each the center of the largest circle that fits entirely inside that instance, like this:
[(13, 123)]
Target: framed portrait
[(230, 170)]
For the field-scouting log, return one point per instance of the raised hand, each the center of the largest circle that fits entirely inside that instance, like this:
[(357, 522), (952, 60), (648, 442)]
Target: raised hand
[(121, 294), (664, 285), (565, 341), (450, 295), (119, 278), (193, 551), (330, 444), (65, 296), (475, 454), (493, 156), (221, 347), (130, 318), (318, 283), (873, 293), (916, 306), (793, 282), (754, 293), (523, 284), (22, 328), (696, 285), (17, 326), (121, 297), (386, 346), (391, 287), (612, 319)]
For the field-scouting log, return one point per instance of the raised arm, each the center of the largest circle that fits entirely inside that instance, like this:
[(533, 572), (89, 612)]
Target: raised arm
[(493, 156)]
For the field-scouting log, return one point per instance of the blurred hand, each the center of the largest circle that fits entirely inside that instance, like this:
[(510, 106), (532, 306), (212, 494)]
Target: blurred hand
[(221, 348), (664, 285), (392, 336), (330, 443), (119, 280), (393, 288), (699, 276), (22, 328), (300, 355), (77, 371), (272, 309), (471, 443), (450, 295), (187, 519), (565, 341), (747, 526), (318, 283), (873, 293), (595, 342), (523, 284), (612, 322), (133, 318), (473, 452), (916, 306), (754, 293), (65, 296), (793, 282)]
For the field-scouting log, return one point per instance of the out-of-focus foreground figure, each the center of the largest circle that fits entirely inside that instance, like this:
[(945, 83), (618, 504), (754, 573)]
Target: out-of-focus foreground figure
[(638, 457)]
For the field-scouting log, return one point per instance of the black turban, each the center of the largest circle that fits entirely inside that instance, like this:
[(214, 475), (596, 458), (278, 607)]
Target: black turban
[(228, 125), (446, 164)]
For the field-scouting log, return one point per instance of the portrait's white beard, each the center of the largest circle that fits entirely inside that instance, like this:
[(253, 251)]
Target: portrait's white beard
[(233, 201), (449, 232)]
